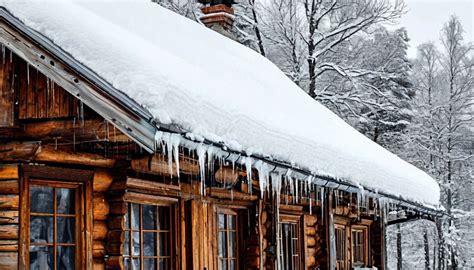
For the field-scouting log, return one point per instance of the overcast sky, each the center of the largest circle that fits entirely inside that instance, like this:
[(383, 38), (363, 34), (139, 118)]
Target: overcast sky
[(424, 19)]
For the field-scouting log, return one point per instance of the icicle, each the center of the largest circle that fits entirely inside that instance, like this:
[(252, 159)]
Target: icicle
[(169, 152), (201, 153), (263, 176), (248, 168), (332, 241), (175, 142), (322, 203)]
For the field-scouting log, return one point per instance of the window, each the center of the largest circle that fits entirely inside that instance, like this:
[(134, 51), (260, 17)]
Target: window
[(148, 237), (341, 247), (227, 240), (359, 246), (290, 246), (54, 224)]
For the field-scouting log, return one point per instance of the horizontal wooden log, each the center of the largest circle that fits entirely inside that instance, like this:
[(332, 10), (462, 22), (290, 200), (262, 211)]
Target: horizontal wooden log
[(101, 207), (18, 150), (116, 222), (226, 175), (9, 260), (100, 230), (114, 262), (158, 164), (311, 261), (8, 171), (227, 194), (102, 181), (147, 186), (9, 186), (148, 199), (114, 248), (98, 249), (311, 220), (9, 231), (98, 264), (8, 245), (118, 208), (49, 154), (9, 201), (310, 231), (116, 236), (9, 217), (310, 241)]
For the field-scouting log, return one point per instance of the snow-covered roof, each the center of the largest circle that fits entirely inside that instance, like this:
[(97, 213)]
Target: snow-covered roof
[(191, 77)]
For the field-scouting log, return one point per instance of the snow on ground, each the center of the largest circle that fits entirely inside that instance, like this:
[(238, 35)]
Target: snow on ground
[(189, 76)]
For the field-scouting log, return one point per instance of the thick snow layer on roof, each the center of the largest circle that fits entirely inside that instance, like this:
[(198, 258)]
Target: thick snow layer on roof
[(192, 77)]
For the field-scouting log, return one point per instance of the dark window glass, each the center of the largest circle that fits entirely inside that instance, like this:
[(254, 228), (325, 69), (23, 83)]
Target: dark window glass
[(227, 241), (289, 243), (358, 247), (148, 236), (52, 227)]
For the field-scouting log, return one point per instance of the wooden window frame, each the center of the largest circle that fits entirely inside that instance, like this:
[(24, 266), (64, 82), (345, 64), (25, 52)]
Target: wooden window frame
[(234, 212), (298, 220), (58, 177), (159, 201), (365, 230)]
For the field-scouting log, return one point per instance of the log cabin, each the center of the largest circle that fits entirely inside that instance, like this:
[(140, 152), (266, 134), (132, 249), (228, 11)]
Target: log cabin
[(132, 138)]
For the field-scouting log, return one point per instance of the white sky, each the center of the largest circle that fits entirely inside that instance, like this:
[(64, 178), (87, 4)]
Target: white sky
[(425, 18)]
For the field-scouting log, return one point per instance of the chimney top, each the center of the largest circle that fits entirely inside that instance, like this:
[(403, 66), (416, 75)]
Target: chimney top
[(218, 15)]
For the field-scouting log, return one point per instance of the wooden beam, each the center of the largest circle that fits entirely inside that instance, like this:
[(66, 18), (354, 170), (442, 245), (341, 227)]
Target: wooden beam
[(102, 180), (8, 171), (230, 195), (18, 150), (9, 260), (49, 154)]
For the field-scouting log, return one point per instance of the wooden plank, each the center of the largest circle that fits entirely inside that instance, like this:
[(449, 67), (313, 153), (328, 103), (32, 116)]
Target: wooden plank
[(148, 199), (9, 231), (9, 187), (13, 151), (100, 230), (6, 93), (9, 217), (8, 245), (8, 171), (102, 180), (100, 207), (41, 96), (9, 260), (31, 111), (50, 154), (23, 71), (9, 201)]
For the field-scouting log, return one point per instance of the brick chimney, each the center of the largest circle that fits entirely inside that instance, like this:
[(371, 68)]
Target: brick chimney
[(218, 15)]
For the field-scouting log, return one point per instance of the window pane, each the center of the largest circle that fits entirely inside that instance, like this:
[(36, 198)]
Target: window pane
[(222, 264), (221, 221), (232, 244), (233, 265), (41, 229), (126, 264), (135, 216), (164, 220), (126, 243), (136, 243), (65, 258), (149, 264), (41, 199), (127, 219), (163, 264), (164, 243), (65, 229), (222, 244), (136, 264), (149, 244), (231, 222), (65, 201), (149, 217), (41, 258)]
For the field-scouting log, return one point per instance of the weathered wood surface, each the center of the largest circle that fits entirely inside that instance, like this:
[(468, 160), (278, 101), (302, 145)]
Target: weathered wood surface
[(158, 164), (48, 153), (9, 187), (12, 151), (9, 260), (8, 245), (100, 230), (9, 202), (8, 171), (9, 216), (102, 181), (6, 89), (100, 206), (9, 231), (230, 195)]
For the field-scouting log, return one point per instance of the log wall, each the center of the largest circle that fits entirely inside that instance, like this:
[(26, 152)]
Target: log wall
[(9, 216)]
